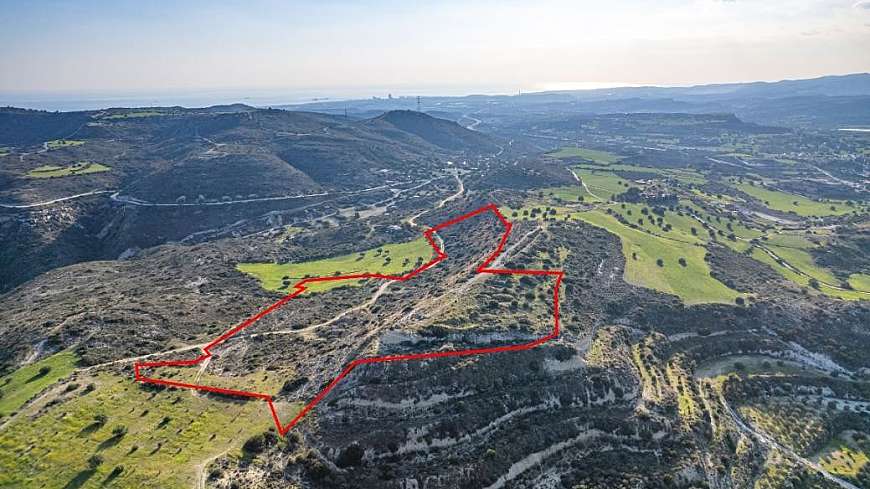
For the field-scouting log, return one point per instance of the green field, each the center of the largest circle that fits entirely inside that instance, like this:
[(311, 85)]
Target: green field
[(133, 115), (680, 174), (692, 282), (672, 225), (860, 281), (845, 459), (62, 143), (388, 259), (803, 280), (168, 434), (795, 250), (18, 387), (79, 168), (600, 157), (602, 185), (786, 202)]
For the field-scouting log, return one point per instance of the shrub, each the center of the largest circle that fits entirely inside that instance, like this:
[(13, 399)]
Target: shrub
[(94, 462), (350, 456)]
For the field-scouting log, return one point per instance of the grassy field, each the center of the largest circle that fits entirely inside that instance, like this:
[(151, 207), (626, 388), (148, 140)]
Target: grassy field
[(752, 365), (845, 459), (389, 259), (79, 168), (602, 185), (258, 381), (860, 281), (683, 175), (692, 282), (795, 250), (672, 225), (19, 386), (600, 157), (62, 143), (161, 437), (803, 261), (133, 115), (785, 202), (803, 280)]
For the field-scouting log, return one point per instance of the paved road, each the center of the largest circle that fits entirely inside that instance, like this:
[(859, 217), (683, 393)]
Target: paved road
[(55, 201)]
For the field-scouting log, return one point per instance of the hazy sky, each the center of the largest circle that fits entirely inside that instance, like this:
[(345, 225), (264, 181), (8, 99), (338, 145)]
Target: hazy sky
[(121, 45)]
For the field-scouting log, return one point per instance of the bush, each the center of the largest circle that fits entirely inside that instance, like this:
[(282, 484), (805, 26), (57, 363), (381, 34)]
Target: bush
[(257, 443), (254, 445), (350, 456), (94, 462)]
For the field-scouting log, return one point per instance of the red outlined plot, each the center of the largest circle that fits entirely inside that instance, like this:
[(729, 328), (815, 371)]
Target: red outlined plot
[(300, 288)]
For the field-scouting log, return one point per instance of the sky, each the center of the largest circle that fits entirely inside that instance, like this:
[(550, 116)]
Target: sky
[(450, 46)]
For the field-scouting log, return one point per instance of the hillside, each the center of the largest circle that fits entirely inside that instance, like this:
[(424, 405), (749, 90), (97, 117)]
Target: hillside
[(442, 133), (170, 173)]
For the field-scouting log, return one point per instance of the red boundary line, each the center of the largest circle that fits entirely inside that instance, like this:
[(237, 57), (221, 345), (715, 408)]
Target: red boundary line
[(300, 288)]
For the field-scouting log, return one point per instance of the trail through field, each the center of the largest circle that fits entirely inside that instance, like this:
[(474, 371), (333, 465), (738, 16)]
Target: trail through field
[(794, 269), (460, 190), (583, 184)]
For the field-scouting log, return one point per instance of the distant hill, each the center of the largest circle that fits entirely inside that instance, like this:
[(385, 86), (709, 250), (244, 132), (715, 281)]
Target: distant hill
[(442, 133), (827, 102), (176, 169), (23, 126)]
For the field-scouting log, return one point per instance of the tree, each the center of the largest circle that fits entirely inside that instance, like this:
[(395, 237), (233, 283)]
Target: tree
[(350, 456), (660, 262), (94, 462), (814, 283), (682, 261), (740, 301)]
